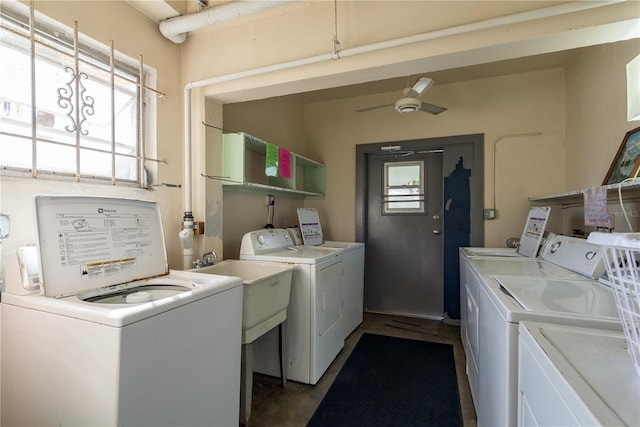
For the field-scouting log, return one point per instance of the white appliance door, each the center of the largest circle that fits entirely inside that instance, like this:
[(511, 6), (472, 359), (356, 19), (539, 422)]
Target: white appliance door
[(329, 296)]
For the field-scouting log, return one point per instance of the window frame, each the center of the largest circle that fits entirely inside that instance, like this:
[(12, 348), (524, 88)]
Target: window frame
[(39, 29), (388, 200)]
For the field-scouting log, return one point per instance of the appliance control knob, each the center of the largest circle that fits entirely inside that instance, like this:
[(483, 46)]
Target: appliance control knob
[(260, 239)]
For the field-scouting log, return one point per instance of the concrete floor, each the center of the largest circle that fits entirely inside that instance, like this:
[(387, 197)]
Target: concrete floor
[(293, 406)]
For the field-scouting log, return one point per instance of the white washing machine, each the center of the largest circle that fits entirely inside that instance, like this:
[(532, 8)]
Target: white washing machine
[(315, 332), (562, 257), (112, 336), (506, 296), (570, 376)]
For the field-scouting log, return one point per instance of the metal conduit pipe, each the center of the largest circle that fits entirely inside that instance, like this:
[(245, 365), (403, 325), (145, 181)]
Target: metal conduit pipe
[(460, 29), (176, 29)]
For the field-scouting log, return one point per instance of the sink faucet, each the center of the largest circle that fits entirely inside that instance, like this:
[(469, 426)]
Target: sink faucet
[(208, 259)]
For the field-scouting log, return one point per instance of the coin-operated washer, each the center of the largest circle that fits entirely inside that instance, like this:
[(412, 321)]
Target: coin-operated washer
[(111, 336)]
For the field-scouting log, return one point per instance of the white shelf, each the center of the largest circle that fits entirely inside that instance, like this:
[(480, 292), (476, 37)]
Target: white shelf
[(577, 195)]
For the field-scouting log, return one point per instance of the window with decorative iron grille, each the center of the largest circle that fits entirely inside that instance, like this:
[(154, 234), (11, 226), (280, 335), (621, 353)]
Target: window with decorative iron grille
[(68, 105)]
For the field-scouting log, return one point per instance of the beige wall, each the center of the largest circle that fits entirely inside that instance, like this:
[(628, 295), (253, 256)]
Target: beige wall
[(497, 107), (505, 109), (304, 29), (281, 121), (117, 21), (596, 111)]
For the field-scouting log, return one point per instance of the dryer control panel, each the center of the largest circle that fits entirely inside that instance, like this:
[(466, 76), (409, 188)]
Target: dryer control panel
[(576, 255), (264, 241)]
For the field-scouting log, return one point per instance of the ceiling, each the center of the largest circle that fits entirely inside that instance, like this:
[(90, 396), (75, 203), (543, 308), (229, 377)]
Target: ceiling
[(452, 75), (159, 10)]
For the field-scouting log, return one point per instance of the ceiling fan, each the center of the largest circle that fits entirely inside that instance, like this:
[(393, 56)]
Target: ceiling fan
[(410, 102)]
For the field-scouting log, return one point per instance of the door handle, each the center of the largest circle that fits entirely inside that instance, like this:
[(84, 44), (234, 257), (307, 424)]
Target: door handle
[(437, 232)]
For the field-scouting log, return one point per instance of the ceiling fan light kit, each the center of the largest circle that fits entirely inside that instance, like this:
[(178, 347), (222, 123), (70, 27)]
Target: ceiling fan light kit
[(407, 105)]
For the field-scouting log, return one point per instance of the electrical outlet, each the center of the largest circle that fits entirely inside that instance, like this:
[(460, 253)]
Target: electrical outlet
[(489, 214), (269, 200)]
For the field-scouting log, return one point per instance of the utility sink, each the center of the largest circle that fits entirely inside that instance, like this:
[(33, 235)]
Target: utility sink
[(266, 293)]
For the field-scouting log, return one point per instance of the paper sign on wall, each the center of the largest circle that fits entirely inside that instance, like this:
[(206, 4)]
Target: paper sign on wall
[(595, 208), (285, 163), (271, 160)]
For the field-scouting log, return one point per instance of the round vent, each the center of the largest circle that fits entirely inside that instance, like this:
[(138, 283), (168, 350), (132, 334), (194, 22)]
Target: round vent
[(408, 105)]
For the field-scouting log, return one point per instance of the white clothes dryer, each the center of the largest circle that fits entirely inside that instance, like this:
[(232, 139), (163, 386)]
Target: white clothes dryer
[(353, 286), (112, 336), (310, 233), (315, 332)]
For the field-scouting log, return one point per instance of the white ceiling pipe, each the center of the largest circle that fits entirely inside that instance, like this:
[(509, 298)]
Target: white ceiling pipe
[(461, 29), (176, 29)]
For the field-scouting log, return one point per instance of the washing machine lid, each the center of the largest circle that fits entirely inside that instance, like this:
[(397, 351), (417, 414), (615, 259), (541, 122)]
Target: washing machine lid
[(88, 242), (296, 255), (597, 366), (528, 267), (574, 297), (492, 252)]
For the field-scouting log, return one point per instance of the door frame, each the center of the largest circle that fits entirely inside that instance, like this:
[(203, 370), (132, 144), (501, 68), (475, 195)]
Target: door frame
[(476, 179), (452, 147)]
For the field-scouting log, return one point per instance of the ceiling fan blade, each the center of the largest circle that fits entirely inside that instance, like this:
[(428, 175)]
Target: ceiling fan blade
[(432, 109), (420, 87), (364, 110)]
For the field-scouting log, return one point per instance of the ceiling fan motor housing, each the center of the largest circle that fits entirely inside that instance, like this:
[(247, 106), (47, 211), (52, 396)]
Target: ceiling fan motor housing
[(408, 105)]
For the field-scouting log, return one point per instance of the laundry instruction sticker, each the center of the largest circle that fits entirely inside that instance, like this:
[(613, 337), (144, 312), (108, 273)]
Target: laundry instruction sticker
[(106, 268)]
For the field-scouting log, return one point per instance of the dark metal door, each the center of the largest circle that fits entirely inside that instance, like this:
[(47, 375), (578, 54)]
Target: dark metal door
[(404, 246)]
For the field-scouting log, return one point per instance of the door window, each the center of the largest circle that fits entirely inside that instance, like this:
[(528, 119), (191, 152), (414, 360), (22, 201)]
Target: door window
[(403, 191)]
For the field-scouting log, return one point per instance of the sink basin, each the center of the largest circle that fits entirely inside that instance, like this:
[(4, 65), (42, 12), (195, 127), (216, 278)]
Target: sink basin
[(265, 293)]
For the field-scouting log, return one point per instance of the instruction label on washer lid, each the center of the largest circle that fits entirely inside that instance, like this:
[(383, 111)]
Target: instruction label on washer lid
[(533, 231), (92, 242), (310, 227)]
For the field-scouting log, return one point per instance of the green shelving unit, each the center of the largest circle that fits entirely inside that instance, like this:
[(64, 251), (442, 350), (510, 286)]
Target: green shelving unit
[(243, 170)]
